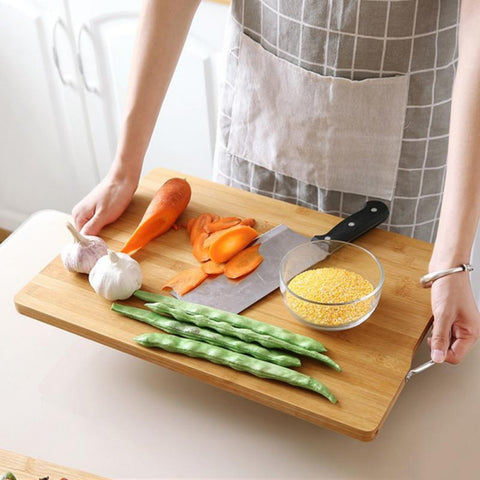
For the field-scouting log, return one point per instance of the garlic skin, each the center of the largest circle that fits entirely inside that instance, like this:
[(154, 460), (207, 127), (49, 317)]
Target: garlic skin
[(81, 255), (116, 276)]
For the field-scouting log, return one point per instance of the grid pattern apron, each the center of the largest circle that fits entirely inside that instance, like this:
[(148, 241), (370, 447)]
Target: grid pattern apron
[(327, 104)]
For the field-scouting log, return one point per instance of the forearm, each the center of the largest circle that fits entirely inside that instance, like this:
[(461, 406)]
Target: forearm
[(162, 29), (461, 201)]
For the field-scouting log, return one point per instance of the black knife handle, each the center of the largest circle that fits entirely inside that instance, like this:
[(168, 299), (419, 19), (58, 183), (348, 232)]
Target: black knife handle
[(370, 216)]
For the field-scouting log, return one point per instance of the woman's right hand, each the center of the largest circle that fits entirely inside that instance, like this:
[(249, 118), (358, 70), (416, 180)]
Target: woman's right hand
[(104, 204), (162, 29)]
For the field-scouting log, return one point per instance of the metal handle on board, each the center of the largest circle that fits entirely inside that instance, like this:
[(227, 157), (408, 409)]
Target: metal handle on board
[(419, 369)]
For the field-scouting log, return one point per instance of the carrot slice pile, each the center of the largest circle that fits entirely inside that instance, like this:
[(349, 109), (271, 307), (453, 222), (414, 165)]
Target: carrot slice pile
[(200, 250), (244, 262), (221, 245), (221, 224), (232, 241), (185, 280), (167, 204), (212, 237), (198, 225), (212, 268)]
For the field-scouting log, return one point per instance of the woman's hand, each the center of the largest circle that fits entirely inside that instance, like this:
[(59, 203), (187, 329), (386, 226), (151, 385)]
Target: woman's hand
[(456, 319), (162, 29), (104, 204), (456, 322)]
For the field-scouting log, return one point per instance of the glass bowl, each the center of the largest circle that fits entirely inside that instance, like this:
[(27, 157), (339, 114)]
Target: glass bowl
[(330, 284)]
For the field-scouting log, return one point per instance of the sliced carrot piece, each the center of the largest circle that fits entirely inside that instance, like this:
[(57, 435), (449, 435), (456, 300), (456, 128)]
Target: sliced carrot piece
[(213, 268), (213, 236), (200, 251), (221, 224), (244, 262), (199, 225), (167, 204), (250, 222), (230, 242), (185, 280)]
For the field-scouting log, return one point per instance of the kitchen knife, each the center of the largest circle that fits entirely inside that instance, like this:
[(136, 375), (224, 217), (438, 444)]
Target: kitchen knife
[(237, 295)]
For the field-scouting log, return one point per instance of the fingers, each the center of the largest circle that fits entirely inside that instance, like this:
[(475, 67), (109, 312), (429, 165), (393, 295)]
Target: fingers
[(459, 349), (456, 324), (450, 342), (440, 340), (89, 219), (81, 215), (94, 225)]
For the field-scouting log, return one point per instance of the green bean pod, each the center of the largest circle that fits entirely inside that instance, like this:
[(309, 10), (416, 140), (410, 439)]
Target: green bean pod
[(242, 333), (237, 361), (193, 332), (234, 319)]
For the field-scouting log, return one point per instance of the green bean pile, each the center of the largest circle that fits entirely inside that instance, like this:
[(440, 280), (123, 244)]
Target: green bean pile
[(228, 339), (234, 320), (238, 361), (188, 330), (245, 334)]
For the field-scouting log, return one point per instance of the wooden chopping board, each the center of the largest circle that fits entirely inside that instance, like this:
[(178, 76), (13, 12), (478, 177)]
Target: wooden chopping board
[(375, 356), (28, 468)]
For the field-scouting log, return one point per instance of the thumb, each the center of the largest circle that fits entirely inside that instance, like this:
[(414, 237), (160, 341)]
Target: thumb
[(440, 341), (94, 225)]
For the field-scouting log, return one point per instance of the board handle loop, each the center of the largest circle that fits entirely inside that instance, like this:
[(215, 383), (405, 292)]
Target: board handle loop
[(419, 369)]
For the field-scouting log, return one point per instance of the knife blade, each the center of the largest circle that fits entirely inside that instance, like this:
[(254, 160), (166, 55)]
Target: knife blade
[(237, 295)]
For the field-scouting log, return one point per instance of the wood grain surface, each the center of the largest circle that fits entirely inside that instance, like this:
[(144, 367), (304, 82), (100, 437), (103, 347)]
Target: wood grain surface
[(4, 234), (375, 356), (29, 468)]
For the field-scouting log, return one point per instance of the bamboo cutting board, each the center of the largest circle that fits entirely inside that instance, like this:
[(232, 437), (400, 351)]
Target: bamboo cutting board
[(29, 468), (375, 356)]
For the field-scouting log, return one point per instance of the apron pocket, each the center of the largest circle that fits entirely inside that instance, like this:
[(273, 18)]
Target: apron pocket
[(330, 132)]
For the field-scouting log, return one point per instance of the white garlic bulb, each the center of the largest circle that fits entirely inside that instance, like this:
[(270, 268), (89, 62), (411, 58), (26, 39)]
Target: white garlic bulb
[(116, 276), (81, 255)]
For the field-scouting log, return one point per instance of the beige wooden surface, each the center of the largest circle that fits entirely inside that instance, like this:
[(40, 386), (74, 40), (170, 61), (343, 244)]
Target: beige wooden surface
[(375, 356), (28, 468), (4, 234)]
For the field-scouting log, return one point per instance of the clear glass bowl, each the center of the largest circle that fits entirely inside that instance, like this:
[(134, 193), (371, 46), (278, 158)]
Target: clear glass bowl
[(331, 285)]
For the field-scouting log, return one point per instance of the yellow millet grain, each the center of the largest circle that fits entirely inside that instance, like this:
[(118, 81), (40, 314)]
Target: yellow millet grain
[(329, 285)]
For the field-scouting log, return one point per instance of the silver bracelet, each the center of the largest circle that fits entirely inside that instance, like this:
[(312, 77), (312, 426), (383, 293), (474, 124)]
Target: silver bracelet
[(427, 280)]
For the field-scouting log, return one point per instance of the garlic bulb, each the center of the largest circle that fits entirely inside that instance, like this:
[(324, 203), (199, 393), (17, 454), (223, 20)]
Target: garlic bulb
[(81, 255), (116, 276)]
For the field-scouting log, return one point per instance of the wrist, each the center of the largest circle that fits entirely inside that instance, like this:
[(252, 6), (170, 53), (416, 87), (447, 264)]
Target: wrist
[(428, 279), (125, 172), (449, 254), (447, 261)]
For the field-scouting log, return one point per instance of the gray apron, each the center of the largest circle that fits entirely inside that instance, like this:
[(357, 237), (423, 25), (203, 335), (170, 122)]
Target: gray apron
[(327, 104)]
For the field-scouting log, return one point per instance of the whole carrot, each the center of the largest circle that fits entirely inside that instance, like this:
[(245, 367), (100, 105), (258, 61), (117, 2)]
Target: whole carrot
[(168, 203)]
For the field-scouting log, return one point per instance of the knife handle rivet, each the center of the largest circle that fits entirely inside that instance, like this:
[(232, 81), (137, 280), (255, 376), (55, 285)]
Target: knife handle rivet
[(351, 224), (327, 238), (374, 209)]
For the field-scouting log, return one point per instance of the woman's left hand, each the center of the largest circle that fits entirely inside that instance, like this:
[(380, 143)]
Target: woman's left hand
[(456, 319)]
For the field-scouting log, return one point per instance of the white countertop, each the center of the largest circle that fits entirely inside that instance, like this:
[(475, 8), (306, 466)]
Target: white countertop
[(73, 402)]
